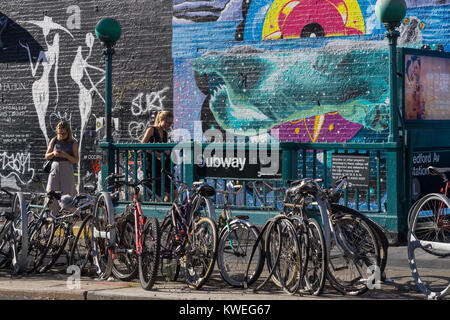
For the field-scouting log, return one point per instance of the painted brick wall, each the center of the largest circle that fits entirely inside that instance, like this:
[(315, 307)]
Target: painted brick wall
[(62, 77), (315, 70), (235, 65)]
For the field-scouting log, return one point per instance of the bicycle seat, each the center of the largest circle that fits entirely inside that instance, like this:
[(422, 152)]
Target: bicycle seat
[(237, 187), (54, 195), (8, 215), (301, 187), (9, 190), (438, 171), (90, 187), (67, 203), (242, 217), (206, 190)]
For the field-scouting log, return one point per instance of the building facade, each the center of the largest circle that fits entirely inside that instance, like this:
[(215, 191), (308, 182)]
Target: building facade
[(284, 70)]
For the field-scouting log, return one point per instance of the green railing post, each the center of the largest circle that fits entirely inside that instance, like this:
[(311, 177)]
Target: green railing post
[(189, 166), (288, 162), (396, 201)]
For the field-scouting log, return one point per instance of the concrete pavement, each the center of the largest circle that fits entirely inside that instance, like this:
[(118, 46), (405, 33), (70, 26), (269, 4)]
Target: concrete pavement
[(56, 284)]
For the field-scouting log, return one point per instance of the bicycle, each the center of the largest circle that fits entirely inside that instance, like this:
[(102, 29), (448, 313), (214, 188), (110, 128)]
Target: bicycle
[(91, 243), (136, 246), (348, 244), (351, 244), (236, 238), (73, 211), (429, 231), (188, 238), (306, 271), (10, 233), (39, 232)]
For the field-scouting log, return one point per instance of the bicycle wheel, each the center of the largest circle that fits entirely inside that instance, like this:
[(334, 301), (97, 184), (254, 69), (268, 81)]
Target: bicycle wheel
[(428, 243), (39, 244), (283, 254), (316, 267), (204, 208), (430, 221), (233, 254), (56, 247), (5, 244), (101, 237), (17, 230), (170, 265), (125, 260), (353, 252), (81, 250), (201, 253), (383, 243), (149, 257)]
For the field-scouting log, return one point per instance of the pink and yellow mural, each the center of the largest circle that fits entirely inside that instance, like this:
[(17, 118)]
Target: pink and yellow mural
[(287, 19)]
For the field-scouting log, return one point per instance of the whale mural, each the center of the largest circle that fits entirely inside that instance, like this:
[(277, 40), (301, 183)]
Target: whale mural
[(254, 90)]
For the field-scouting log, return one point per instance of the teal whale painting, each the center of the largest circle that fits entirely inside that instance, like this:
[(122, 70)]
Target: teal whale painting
[(255, 90)]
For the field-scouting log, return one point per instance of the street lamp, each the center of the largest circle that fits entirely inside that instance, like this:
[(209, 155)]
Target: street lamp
[(108, 31), (391, 13)]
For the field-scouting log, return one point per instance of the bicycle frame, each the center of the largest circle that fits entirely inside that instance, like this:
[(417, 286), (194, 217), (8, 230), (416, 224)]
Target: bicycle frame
[(184, 218), (139, 222), (440, 222)]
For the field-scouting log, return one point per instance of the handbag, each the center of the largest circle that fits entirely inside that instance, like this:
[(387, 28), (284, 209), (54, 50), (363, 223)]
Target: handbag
[(47, 166)]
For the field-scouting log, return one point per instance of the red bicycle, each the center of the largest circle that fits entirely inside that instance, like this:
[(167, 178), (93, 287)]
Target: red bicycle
[(136, 247), (429, 233)]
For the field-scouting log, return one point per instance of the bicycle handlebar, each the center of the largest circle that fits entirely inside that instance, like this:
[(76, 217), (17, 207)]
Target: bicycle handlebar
[(132, 184), (174, 179), (229, 192)]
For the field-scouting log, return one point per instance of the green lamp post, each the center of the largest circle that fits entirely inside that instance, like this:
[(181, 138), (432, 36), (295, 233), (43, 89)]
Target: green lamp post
[(391, 13), (108, 31)]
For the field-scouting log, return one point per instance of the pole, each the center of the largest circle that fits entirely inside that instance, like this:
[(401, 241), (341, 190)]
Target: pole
[(108, 52), (108, 140), (392, 36)]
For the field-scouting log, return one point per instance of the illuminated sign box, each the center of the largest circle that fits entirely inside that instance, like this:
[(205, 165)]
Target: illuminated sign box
[(426, 84)]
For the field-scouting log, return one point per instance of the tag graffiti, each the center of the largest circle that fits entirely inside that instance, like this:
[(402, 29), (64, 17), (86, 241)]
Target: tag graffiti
[(17, 164)]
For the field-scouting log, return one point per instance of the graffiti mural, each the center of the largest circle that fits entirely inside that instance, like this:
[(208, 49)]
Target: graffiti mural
[(53, 69), (310, 18), (280, 84), (17, 165), (251, 91), (49, 60)]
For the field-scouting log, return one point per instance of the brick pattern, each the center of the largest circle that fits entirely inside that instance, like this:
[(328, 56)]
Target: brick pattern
[(35, 96)]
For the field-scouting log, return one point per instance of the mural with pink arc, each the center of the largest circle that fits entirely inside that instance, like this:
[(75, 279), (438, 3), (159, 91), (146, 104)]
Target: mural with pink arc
[(318, 18)]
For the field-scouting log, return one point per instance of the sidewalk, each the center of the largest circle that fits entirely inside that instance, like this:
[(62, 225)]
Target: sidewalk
[(54, 285)]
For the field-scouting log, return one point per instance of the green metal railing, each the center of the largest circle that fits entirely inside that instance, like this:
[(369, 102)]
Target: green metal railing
[(384, 200)]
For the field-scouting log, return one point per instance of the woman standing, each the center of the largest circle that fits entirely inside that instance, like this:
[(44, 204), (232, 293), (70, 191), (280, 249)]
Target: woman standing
[(63, 150), (158, 134)]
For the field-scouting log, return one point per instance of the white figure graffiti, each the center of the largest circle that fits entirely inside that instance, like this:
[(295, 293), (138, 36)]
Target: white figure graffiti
[(3, 24), (85, 101), (48, 59)]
